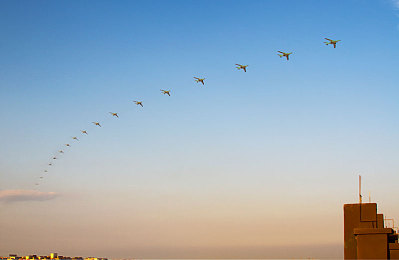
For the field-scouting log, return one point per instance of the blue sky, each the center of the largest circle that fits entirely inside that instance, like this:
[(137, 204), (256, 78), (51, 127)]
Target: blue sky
[(293, 134)]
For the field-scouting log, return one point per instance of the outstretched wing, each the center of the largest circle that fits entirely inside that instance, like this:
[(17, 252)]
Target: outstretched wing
[(328, 39)]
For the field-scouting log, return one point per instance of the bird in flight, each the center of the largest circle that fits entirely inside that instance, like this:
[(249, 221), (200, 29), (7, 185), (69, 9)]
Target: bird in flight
[(331, 42), (242, 67), (75, 138), (114, 114), (50, 164), (41, 177), (139, 103), (67, 145), (83, 131), (54, 158), (45, 170), (97, 123), (61, 151), (167, 92), (284, 54), (198, 80)]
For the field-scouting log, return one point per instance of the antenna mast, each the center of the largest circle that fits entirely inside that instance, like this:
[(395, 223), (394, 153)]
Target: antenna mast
[(360, 189)]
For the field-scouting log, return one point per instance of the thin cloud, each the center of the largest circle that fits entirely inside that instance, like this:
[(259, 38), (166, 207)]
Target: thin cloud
[(25, 195)]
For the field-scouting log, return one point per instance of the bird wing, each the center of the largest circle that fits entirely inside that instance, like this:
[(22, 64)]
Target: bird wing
[(328, 39)]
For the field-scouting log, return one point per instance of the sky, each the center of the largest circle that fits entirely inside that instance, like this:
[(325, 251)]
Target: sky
[(251, 164)]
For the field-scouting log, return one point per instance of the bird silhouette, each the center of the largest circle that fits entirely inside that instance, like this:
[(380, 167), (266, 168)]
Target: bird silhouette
[(83, 131), (97, 124)]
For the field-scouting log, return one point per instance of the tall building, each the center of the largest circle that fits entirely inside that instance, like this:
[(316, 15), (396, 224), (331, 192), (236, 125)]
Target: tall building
[(365, 236)]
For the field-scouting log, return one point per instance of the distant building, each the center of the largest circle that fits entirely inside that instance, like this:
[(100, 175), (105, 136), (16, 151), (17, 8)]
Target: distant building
[(52, 256), (365, 236)]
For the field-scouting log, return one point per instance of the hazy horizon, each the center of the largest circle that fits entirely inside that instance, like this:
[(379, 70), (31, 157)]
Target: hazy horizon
[(260, 252)]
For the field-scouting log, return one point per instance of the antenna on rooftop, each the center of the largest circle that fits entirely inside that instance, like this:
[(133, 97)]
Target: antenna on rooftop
[(360, 189)]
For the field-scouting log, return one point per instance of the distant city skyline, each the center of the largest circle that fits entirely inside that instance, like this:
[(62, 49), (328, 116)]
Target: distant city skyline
[(54, 256), (222, 168)]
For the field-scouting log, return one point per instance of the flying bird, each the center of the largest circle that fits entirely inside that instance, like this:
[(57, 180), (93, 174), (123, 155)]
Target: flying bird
[(50, 164), (242, 67), (97, 123), (83, 131), (75, 138), (61, 151), (166, 92), (45, 170), (284, 54), (333, 42), (198, 80), (139, 103), (67, 145), (54, 158), (114, 114)]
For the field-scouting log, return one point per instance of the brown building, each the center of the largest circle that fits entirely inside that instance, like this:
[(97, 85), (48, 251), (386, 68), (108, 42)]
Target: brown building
[(365, 236)]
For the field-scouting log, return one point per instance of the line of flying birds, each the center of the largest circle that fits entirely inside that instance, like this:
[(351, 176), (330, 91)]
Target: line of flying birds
[(281, 54)]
